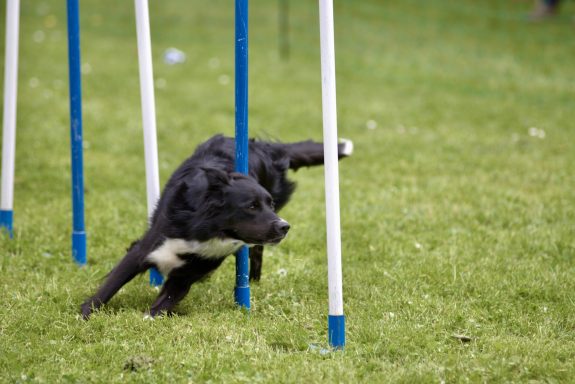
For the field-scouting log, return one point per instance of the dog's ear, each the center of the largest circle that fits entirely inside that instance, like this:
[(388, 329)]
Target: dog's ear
[(180, 209), (216, 178), (188, 198), (181, 199)]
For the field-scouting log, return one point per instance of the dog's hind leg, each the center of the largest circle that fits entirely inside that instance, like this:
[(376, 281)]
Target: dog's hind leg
[(309, 153), (128, 268), (173, 291), (180, 280), (256, 260)]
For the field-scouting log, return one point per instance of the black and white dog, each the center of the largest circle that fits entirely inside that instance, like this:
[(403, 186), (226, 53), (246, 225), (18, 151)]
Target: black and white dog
[(207, 212)]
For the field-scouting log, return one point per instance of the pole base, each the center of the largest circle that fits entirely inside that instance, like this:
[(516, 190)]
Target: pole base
[(156, 278), (242, 289), (242, 296), (336, 331), (6, 222), (79, 247)]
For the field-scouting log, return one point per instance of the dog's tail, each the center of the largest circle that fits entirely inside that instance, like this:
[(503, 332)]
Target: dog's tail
[(310, 153)]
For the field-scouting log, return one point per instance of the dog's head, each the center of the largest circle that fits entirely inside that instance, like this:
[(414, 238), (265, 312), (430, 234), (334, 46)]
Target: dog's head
[(235, 206), (249, 212)]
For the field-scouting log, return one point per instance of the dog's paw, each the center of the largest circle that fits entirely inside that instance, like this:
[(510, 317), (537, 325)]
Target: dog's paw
[(347, 144), (86, 310)]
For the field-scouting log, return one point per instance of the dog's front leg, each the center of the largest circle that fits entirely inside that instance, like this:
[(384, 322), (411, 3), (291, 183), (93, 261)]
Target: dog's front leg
[(256, 260), (128, 268)]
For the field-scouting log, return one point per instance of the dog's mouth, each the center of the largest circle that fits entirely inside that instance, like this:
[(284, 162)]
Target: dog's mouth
[(252, 240), (275, 240)]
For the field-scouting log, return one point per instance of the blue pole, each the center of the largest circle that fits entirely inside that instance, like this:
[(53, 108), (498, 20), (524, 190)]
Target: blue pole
[(78, 233), (242, 290), (156, 278)]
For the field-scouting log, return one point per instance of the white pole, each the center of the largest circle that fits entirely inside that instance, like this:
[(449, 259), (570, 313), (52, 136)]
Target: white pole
[(10, 89), (336, 319), (148, 114), (148, 104)]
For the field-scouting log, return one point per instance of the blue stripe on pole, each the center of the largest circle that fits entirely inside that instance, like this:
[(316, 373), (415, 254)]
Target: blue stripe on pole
[(79, 234), (6, 221), (156, 278), (242, 290), (336, 331)]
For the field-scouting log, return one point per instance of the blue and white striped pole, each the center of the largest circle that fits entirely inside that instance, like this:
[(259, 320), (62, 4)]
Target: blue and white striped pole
[(336, 319), (148, 115), (242, 289), (9, 121), (79, 231)]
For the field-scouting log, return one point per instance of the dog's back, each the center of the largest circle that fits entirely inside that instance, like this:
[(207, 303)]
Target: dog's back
[(268, 162)]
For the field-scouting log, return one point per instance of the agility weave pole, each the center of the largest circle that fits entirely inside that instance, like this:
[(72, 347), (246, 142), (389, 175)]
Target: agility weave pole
[(242, 289), (9, 121), (148, 115), (78, 228), (336, 319), (9, 124)]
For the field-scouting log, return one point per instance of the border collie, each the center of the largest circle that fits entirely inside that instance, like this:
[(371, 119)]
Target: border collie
[(207, 212)]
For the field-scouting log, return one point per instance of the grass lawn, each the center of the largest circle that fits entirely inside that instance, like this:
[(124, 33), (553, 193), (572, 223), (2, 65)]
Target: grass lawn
[(458, 206)]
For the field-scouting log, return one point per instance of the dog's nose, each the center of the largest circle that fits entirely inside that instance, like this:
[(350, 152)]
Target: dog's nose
[(282, 227)]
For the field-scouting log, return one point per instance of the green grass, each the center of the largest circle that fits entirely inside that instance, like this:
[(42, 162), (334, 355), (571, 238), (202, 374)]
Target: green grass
[(455, 220)]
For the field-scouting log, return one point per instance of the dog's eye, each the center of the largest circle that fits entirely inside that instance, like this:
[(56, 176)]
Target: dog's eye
[(270, 203), (253, 206)]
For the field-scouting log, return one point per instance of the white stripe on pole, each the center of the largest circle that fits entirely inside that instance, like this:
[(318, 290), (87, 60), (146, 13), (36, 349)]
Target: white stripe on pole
[(331, 157), (148, 104), (10, 90)]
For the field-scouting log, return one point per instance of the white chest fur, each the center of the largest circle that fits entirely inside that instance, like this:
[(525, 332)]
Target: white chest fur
[(166, 255)]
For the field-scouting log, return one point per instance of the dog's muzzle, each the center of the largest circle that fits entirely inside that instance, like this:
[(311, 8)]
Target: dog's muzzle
[(282, 227), (279, 230)]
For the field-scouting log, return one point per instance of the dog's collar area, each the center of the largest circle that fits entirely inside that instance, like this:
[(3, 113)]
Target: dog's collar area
[(167, 256)]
